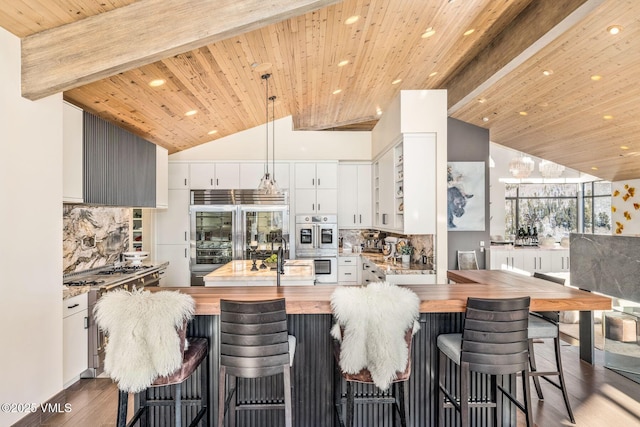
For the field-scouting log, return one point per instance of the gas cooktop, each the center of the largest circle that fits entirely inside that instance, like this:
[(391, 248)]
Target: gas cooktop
[(111, 275)]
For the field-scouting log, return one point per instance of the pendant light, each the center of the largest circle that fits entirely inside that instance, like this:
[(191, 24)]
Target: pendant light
[(267, 183), (274, 187)]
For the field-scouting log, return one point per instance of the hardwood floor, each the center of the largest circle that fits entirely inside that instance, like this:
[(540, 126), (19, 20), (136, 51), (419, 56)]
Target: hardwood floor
[(599, 397)]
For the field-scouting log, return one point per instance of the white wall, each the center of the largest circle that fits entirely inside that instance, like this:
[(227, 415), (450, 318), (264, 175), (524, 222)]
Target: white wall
[(290, 145), (31, 255)]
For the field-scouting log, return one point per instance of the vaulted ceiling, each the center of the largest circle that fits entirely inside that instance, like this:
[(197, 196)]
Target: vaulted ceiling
[(544, 76)]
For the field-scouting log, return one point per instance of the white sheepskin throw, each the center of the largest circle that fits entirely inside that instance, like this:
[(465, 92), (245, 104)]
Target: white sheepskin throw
[(374, 320), (143, 335)]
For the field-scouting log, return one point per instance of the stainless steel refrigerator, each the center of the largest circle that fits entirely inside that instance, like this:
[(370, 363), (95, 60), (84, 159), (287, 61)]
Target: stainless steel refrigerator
[(224, 223)]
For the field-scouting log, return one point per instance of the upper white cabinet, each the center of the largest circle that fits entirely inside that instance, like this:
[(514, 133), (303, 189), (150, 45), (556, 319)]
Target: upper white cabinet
[(203, 176), (251, 174), (354, 195), (316, 188), (405, 186), (316, 175), (162, 177), (178, 176), (72, 129)]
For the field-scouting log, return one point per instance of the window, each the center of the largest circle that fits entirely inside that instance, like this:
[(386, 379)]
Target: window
[(553, 209)]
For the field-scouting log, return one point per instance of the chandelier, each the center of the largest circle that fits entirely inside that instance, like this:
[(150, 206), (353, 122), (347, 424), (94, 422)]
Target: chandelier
[(268, 183), (549, 169), (521, 167)]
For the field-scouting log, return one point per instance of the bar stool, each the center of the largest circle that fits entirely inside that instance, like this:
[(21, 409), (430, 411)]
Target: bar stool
[(544, 325), (493, 342), (368, 320), (253, 343), (148, 348)]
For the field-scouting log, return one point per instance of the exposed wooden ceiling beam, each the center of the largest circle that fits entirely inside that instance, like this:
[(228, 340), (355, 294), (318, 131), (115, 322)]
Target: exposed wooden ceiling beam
[(146, 31), (532, 30)]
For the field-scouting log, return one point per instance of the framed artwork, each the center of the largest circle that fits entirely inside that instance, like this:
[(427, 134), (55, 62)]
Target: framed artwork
[(465, 196)]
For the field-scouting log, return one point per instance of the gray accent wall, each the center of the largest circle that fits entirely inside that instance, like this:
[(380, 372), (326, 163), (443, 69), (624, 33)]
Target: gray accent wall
[(469, 143)]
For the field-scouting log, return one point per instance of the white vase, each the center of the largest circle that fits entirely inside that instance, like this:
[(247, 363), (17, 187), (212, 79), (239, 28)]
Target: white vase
[(406, 259)]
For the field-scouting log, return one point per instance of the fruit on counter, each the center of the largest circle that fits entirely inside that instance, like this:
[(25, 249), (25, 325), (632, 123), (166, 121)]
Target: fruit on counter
[(272, 258)]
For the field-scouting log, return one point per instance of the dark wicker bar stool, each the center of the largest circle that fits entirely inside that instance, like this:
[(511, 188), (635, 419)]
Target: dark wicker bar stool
[(544, 325), (148, 348), (254, 343), (493, 342)]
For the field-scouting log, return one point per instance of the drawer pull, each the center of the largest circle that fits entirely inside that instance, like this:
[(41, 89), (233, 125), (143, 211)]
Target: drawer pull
[(347, 274), (72, 306)]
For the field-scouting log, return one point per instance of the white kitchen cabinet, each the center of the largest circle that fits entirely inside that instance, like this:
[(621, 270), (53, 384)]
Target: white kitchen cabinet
[(178, 176), (354, 196), (221, 176), (349, 270), (72, 135), (251, 174), (178, 272), (172, 224), (405, 195), (75, 338), (535, 260), (162, 177), (506, 259), (370, 272), (560, 260), (316, 175), (316, 188)]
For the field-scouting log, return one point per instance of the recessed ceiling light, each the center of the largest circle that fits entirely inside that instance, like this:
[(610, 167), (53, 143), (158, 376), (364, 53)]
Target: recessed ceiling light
[(624, 147), (523, 113), (396, 81), (614, 29), (428, 33), (190, 113), (343, 63), (468, 32), (547, 72), (378, 111), (607, 117), (596, 77), (212, 132), (593, 168), (485, 119), (352, 20), (433, 74), (482, 100), (157, 82), (337, 91)]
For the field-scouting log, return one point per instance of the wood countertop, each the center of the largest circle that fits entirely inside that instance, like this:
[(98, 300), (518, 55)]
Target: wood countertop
[(545, 296)]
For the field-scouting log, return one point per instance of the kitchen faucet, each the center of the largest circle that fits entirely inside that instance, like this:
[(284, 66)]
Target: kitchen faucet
[(282, 239), (279, 265)]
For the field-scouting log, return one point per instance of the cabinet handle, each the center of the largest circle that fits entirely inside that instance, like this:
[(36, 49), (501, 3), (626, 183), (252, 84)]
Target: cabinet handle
[(313, 206), (313, 181), (360, 219), (72, 306), (354, 218), (318, 182), (185, 236), (185, 252), (535, 263), (211, 180), (185, 182), (348, 261), (347, 274), (86, 322), (563, 263), (540, 263), (318, 207), (217, 182)]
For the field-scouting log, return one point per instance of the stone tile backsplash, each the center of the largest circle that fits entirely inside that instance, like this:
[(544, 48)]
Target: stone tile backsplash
[(93, 236), (419, 241)]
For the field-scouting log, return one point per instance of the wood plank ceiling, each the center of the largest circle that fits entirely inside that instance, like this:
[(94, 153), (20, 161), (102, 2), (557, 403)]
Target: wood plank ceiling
[(493, 73)]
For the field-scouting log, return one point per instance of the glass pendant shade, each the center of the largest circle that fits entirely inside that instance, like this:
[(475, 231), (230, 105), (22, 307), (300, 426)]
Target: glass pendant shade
[(521, 167), (549, 169), (268, 183)]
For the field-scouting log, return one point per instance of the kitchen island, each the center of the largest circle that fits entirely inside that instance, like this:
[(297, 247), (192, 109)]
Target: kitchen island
[(239, 273), (309, 319)]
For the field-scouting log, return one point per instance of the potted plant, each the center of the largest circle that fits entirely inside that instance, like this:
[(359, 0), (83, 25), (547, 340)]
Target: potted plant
[(406, 252)]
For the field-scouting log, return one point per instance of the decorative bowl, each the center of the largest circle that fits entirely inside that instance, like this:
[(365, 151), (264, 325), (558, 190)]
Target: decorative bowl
[(135, 257), (270, 264)]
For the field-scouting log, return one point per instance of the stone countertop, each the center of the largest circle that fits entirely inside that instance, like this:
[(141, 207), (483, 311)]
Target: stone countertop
[(240, 271), (72, 291), (389, 267)]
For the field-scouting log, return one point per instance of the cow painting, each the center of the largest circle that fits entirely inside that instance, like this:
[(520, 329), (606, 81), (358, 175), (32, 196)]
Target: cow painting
[(456, 202)]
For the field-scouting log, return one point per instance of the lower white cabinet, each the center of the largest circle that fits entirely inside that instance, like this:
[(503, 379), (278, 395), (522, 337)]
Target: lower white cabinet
[(348, 270), (529, 260), (178, 272), (75, 338), (370, 272)]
